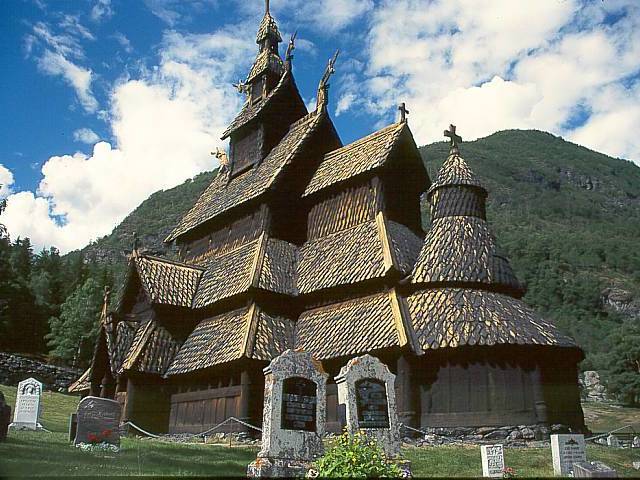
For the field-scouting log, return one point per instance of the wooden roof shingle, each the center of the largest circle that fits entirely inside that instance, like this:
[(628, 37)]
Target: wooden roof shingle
[(461, 249), (361, 156), (348, 328), (167, 282), (224, 193), (452, 317)]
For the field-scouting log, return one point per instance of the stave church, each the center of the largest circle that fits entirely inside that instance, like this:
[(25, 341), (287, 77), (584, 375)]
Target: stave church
[(302, 242)]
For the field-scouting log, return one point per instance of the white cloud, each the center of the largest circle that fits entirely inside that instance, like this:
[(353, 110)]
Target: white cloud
[(124, 42), (58, 56), (165, 124), (86, 135), (77, 77), (6, 180), (492, 64), (102, 9)]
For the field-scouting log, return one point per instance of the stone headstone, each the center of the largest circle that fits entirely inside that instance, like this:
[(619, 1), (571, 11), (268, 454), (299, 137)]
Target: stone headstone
[(366, 389), (492, 461), (612, 441), (5, 418), (566, 450), (26, 415), (293, 417), (593, 470), (636, 442), (635, 465), (98, 421)]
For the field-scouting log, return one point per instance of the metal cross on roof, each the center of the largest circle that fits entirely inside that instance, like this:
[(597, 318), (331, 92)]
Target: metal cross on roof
[(451, 133), (403, 112)]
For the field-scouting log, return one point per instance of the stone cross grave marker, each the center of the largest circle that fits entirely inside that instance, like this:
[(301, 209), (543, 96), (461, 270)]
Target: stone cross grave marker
[(5, 418), (367, 396), (293, 417), (567, 450), (98, 421), (26, 415), (492, 460)]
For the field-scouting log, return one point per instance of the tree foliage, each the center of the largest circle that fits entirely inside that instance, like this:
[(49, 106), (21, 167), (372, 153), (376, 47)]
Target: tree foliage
[(623, 363)]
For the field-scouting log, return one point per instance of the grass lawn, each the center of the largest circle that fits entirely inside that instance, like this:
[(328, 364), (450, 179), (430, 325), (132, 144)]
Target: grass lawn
[(50, 454), (601, 417)]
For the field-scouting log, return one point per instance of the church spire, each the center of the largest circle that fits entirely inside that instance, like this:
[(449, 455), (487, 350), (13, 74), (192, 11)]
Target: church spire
[(268, 67)]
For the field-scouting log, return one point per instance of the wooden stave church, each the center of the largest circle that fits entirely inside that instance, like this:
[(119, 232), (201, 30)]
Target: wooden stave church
[(301, 242)]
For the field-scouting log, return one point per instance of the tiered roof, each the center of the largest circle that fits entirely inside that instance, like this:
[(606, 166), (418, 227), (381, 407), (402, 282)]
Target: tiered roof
[(364, 155), (464, 289), (226, 193)]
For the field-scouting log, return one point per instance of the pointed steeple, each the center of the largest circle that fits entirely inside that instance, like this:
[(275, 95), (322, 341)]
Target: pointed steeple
[(268, 66), (459, 249)]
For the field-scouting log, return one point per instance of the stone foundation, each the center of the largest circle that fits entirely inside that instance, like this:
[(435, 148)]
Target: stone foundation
[(509, 435)]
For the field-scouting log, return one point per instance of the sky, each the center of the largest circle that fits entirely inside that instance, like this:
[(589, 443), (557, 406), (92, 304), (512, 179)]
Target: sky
[(107, 101)]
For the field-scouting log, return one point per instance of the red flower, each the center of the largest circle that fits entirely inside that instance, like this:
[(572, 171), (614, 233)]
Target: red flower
[(107, 432), (93, 438)]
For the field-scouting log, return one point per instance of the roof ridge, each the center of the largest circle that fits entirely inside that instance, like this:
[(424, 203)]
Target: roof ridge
[(364, 139), (169, 261)]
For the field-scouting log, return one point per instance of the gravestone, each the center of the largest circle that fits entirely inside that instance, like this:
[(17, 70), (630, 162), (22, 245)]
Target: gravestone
[(567, 450), (5, 418), (612, 441), (492, 461), (593, 470), (293, 417), (366, 395), (98, 421), (26, 415), (636, 442)]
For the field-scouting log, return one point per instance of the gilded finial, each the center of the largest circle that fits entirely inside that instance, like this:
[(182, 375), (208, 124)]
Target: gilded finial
[(323, 87)]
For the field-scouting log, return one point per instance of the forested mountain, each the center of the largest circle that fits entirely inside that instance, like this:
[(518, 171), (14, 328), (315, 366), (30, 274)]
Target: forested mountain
[(566, 216)]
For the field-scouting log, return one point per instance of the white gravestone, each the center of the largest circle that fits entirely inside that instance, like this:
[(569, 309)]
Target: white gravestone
[(294, 416), (567, 450), (26, 415), (366, 393), (492, 461)]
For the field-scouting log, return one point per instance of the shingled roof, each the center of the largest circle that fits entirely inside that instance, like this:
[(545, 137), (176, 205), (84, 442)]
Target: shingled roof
[(452, 317), (224, 193), (151, 350), (459, 247), (368, 250), (167, 282), (352, 327), (247, 332), (361, 156)]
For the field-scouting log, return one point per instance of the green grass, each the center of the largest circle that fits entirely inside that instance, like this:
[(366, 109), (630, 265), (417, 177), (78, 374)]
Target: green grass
[(601, 417), (50, 454)]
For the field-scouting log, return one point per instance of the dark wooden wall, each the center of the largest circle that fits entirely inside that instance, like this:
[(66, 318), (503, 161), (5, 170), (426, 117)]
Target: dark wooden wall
[(246, 149)]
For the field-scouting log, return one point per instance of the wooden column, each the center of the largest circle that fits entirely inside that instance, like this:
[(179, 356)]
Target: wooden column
[(245, 393), (129, 404), (405, 393), (108, 385), (540, 404)]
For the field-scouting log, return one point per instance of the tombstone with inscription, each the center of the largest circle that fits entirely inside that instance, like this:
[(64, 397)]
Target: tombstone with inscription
[(26, 415), (367, 396), (567, 450), (5, 418), (98, 421), (294, 416), (492, 461)]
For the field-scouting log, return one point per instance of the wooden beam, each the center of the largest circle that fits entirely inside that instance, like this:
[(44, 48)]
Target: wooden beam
[(387, 251), (403, 325), (251, 328)]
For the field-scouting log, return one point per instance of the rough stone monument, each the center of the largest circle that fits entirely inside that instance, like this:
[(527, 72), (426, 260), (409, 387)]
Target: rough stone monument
[(366, 393), (294, 416), (612, 441), (26, 415), (5, 418), (98, 421), (594, 389), (567, 450), (492, 461), (593, 470)]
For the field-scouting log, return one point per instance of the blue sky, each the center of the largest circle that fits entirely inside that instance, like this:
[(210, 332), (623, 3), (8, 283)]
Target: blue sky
[(107, 101)]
